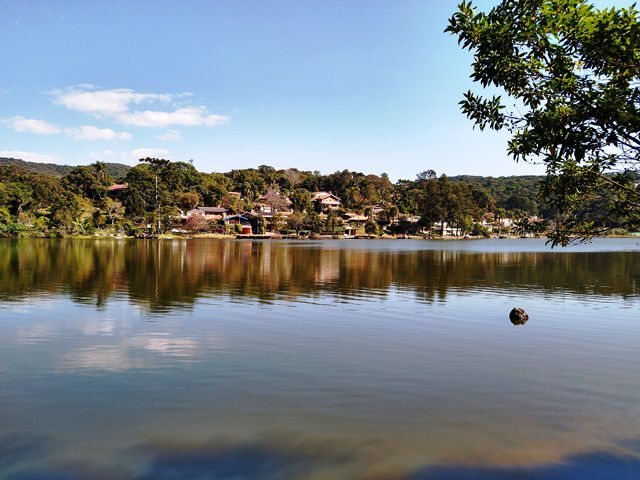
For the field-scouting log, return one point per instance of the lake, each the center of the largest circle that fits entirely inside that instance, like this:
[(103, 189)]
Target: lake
[(356, 359)]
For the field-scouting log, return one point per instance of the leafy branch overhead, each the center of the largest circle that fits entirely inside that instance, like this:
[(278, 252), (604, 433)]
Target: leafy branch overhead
[(569, 74)]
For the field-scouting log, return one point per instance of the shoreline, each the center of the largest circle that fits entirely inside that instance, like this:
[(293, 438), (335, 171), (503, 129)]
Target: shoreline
[(278, 237)]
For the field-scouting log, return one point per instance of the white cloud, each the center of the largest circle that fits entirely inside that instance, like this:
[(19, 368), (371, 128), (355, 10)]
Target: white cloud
[(139, 153), (31, 125), (105, 102), (118, 104), (84, 132), (188, 116), (29, 156), (170, 136), (89, 132)]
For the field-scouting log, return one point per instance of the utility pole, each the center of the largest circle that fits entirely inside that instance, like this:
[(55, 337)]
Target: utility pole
[(157, 164)]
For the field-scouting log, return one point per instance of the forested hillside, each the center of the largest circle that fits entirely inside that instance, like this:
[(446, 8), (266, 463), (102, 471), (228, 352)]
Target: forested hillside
[(116, 170), (40, 199)]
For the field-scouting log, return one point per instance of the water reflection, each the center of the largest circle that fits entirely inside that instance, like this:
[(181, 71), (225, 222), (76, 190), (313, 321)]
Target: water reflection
[(289, 457), (285, 361), (165, 275)]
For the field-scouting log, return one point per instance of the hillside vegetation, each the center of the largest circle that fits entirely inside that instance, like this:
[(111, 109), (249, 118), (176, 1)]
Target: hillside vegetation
[(116, 170), (44, 199)]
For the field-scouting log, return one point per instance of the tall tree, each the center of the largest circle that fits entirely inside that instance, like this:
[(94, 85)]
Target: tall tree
[(300, 200), (572, 75), (158, 166)]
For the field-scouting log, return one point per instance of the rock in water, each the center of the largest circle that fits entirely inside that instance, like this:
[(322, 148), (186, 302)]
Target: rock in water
[(518, 316)]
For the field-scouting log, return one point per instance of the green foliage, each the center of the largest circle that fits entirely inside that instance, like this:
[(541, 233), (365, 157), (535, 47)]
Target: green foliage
[(296, 221), (300, 200), (333, 222), (261, 223), (115, 170), (213, 187), (42, 205), (572, 73), (371, 227), (526, 226), (89, 181), (313, 223), (249, 182), (64, 213), (139, 197)]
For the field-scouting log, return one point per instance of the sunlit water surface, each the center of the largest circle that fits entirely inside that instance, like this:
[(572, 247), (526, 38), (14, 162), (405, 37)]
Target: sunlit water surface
[(318, 360)]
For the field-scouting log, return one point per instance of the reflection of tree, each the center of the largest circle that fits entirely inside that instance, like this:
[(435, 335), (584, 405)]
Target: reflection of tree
[(167, 274)]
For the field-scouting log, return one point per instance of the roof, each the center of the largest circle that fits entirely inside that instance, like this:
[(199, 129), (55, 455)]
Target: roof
[(323, 195), (212, 210), (118, 186), (262, 199), (357, 218), (268, 214)]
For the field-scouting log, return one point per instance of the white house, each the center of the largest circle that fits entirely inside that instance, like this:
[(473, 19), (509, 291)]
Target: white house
[(210, 213), (327, 200), (446, 229)]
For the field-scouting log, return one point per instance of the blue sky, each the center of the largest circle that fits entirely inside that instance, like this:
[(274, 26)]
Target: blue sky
[(321, 85)]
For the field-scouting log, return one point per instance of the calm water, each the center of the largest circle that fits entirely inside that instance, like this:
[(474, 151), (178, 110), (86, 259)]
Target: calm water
[(365, 360)]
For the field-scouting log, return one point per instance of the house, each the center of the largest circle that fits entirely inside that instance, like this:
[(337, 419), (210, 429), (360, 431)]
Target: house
[(446, 230), (375, 209), (488, 222), (351, 216), (412, 219), (354, 224), (210, 213), (505, 222), (117, 190), (267, 206), (326, 200), (245, 224)]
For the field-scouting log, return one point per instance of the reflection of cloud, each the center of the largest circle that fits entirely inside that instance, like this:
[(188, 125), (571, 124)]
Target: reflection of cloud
[(265, 459), (592, 465), (100, 357), (165, 345), (98, 328), (290, 457), (37, 333), (129, 354)]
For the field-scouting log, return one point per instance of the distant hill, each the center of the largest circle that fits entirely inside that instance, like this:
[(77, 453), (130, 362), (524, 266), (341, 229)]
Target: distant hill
[(116, 170)]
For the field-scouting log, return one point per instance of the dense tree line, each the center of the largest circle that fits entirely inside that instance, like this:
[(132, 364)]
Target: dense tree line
[(159, 191)]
